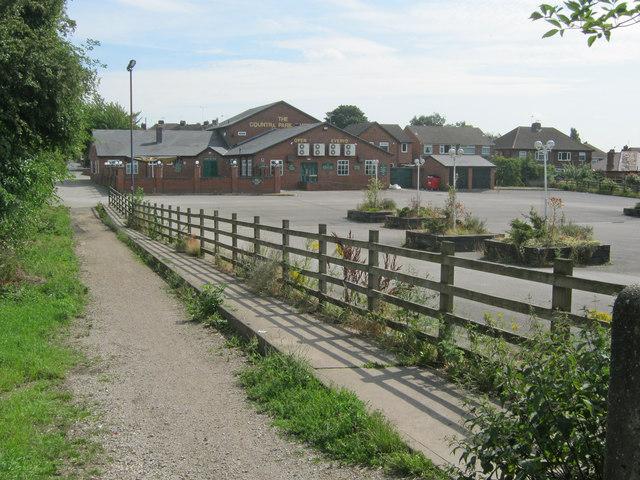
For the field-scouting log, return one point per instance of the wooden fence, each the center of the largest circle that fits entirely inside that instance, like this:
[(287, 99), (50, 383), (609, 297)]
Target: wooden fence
[(170, 222)]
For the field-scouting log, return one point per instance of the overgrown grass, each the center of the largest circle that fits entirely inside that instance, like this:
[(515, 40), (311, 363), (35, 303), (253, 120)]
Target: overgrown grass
[(35, 412), (334, 421)]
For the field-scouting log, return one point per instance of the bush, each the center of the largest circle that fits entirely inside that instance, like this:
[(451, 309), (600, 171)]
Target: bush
[(551, 414), (206, 303), (372, 201), (508, 172), (607, 186)]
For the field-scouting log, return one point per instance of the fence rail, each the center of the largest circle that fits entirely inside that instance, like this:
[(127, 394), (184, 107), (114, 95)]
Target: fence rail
[(367, 277)]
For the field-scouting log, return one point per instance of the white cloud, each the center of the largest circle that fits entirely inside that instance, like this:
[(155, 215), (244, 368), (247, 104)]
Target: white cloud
[(162, 6)]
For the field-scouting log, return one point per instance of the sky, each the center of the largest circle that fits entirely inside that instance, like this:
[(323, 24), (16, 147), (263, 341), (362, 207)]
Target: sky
[(481, 61)]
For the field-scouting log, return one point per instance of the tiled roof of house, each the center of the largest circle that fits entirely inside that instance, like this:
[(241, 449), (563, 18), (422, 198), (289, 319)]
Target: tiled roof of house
[(523, 138), (269, 139), (463, 161), (185, 143), (391, 128), (248, 113), (450, 135)]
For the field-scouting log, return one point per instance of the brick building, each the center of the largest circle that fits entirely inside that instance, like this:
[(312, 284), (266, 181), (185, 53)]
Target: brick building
[(258, 151), (389, 137), (434, 140), (519, 143)]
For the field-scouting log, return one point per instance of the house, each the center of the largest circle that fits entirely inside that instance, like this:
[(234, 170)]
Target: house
[(598, 158), (258, 151), (388, 136), (519, 143), (623, 163), (434, 140)]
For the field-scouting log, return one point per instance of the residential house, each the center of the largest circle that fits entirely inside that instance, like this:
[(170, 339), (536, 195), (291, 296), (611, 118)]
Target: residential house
[(387, 136), (434, 140)]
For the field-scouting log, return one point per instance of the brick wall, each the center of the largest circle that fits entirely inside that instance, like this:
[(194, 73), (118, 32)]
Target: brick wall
[(377, 134)]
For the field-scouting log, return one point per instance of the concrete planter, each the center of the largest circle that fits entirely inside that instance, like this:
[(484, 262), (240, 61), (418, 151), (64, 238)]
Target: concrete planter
[(632, 212), (503, 252), (368, 217), (421, 240), (404, 223)]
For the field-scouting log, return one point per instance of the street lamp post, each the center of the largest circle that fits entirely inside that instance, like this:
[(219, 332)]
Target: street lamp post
[(418, 162), (132, 63), (545, 149), (454, 154), (375, 164)]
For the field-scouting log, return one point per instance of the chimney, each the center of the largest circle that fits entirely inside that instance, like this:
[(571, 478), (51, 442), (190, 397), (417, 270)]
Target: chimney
[(182, 123), (143, 126), (536, 127), (159, 129), (214, 121), (610, 156), (206, 123)]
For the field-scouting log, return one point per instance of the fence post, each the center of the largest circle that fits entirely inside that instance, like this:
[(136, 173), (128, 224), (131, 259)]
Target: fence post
[(373, 280), (189, 220), (447, 277), (622, 453), (234, 239), (178, 226), (285, 252), (561, 296), (216, 234), (109, 197), (256, 235), (162, 232), (169, 215), (202, 231), (322, 262)]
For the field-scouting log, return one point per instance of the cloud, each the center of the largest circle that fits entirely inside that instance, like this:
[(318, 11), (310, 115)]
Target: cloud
[(162, 6)]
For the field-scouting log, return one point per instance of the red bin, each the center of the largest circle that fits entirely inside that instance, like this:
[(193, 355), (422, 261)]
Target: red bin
[(433, 182)]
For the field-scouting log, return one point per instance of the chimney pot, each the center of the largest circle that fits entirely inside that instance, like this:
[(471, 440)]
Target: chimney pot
[(536, 126), (159, 130)]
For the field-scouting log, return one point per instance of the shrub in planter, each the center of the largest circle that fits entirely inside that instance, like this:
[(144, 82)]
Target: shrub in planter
[(372, 201)]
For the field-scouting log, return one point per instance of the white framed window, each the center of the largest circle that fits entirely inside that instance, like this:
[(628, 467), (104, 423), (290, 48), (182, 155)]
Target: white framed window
[(582, 156), (442, 151), (522, 154), (469, 149), (274, 164), (343, 168), (486, 151), (246, 167), (427, 149), (404, 148), (242, 134), (384, 146), (135, 168), (370, 167), (564, 156), (540, 155)]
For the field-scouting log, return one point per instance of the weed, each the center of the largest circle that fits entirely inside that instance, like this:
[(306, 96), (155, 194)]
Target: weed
[(206, 303)]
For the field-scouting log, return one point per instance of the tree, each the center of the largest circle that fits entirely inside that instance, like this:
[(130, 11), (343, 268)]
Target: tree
[(575, 135), (44, 80), (345, 115), (594, 18), (435, 120)]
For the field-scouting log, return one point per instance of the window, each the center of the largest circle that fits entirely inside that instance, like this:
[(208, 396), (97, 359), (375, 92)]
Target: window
[(370, 167), (135, 168), (209, 168), (564, 156), (428, 149), (540, 156), (178, 165), (404, 148), (275, 163), (246, 167), (384, 146), (469, 149), (343, 168), (442, 147), (582, 156), (522, 154), (486, 151)]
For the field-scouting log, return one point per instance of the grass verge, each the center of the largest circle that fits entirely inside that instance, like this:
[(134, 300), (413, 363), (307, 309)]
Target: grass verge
[(35, 411)]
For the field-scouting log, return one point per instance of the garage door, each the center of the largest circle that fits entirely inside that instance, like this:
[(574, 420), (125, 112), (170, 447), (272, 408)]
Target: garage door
[(462, 174), (481, 178), (402, 176)]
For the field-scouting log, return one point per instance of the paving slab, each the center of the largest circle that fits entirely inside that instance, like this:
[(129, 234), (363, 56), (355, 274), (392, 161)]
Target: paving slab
[(427, 410)]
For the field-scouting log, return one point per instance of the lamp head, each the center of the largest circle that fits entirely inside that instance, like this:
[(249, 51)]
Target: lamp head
[(452, 152), (551, 144), (460, 151), (132, 63), (538, 145)]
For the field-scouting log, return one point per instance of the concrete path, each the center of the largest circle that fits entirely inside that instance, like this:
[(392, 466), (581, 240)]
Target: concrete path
[(427, 410), (164, 388)]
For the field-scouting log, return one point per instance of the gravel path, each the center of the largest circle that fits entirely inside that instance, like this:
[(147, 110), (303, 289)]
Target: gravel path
[(168, 403)]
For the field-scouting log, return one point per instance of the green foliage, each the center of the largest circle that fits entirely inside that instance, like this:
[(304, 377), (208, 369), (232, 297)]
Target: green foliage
[(594, 18), (334, 421), (345, 115), (435, 119), (206, 303), (575, 135), (551, 414), (516, 172), (372, 201), (44, 79), (35, 412)]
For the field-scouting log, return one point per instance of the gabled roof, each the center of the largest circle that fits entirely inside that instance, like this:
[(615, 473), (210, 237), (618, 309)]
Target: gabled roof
[(250, 112), (450, 135), (463, 161), (392, 129), (523, 138), (269, 139), (184, 143)]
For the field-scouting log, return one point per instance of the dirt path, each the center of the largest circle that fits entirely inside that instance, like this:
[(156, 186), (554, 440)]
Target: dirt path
[(165, 388)]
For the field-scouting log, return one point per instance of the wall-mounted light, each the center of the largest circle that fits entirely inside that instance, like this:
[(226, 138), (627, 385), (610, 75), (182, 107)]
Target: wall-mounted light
[(197, 162), (234, 163)]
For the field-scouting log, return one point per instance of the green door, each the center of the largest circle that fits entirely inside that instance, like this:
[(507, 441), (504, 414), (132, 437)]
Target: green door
[(402, 176), (481, 178), (309, 172), (210, 168)]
